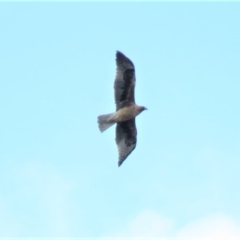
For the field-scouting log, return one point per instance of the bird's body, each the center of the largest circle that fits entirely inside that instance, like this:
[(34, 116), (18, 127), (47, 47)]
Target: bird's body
[(126, 109), (125, 113)]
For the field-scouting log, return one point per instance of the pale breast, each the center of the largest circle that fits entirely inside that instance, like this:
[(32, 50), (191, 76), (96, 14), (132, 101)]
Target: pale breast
[(126, 113)]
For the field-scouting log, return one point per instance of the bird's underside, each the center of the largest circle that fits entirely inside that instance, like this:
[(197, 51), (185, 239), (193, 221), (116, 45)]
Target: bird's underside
[(126, 109)]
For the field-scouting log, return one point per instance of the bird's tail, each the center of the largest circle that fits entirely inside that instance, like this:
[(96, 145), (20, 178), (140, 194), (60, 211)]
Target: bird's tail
[(104, 123)]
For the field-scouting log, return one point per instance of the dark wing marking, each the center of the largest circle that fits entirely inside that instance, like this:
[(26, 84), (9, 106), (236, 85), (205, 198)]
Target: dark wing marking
[(126, 139), (124, 82)]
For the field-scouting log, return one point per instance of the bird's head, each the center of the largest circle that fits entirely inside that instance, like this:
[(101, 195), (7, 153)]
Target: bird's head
[(142, 108)]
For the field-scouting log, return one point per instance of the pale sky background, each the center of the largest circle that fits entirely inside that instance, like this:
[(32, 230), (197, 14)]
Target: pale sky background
[(59, 174)]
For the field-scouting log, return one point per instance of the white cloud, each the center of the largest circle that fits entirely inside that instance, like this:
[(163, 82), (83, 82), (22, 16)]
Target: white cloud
[(44, 194), (150, 224), (53, 190), (216, 227), (9, 225), (147, 224)]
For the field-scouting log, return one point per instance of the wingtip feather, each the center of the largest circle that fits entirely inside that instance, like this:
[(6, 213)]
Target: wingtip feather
[(123, 60)]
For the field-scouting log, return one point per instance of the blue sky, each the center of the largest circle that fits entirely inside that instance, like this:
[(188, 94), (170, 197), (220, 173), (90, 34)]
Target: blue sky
[(59, 174)]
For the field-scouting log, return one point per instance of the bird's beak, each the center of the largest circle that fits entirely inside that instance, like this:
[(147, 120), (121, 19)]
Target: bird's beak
[(145, 108)]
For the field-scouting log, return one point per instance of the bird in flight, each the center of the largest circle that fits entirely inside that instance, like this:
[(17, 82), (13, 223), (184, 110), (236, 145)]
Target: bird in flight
[(126, 109)]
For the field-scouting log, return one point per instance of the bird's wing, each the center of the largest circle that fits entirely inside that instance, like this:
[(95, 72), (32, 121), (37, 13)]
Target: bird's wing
[(126, 139), (124, 82)]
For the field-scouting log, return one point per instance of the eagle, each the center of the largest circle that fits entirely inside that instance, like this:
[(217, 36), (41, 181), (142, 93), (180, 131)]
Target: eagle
[(126, 108)]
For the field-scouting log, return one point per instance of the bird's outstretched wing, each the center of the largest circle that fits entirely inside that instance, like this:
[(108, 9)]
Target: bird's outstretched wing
[(124, 82), (126, 139)]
